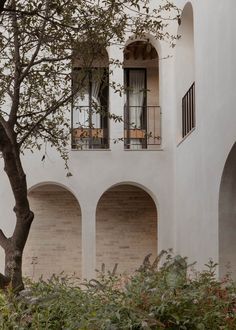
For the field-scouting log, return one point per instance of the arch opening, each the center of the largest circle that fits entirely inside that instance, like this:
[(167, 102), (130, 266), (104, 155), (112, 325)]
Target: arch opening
[(90, 77), (54, 242), (142, 113), (227, 217), (126, 228)]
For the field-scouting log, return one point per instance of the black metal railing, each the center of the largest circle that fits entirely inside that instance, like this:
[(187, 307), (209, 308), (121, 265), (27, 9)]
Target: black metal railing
[(90, 128), (142, 127), (188, 111)]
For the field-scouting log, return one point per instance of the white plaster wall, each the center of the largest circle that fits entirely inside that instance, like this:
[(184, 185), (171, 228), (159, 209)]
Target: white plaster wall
[(184, 67), (183, 179), (96, 171), (200, 158)]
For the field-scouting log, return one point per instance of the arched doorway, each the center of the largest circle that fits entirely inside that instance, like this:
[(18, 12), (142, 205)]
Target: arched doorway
[(142, 112), (54, 243), (126, 228), (227, 216), (90, 82)]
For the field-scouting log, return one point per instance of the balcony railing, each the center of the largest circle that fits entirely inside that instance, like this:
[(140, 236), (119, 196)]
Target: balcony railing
[(188, 111), (142, 129), (90, 128)]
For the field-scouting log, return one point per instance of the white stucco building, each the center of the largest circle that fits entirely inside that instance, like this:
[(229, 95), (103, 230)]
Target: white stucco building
[(171, 183)]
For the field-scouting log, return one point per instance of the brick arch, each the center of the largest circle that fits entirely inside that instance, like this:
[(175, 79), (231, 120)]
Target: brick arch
[(54, 243), (126, 228), (147, 37), (52, 183)]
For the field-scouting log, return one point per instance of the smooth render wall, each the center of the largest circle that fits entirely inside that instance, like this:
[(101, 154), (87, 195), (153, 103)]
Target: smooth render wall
[(201, 157), (94, 171)]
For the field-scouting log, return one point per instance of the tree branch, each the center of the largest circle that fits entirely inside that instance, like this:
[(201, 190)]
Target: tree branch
[(2, 4), (26, 71), (17, 73), (48, 59), (47, 113), (63, 100), (22, 12)]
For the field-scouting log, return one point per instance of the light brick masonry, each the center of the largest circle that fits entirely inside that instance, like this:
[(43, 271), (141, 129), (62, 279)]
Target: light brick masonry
[(54, 243), (126, 228), (126, 231)]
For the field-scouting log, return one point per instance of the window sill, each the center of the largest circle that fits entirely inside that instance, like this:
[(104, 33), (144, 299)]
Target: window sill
[(143, 150), (186, 136), (83, 150)]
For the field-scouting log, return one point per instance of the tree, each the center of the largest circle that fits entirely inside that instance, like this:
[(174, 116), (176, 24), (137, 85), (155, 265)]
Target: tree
[(38, 41), (2, 4)]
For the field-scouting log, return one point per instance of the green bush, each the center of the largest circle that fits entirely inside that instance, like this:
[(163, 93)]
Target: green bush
[(154, 297)]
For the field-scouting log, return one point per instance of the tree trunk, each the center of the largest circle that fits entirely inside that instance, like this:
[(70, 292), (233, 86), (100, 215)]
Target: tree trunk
[(14, 245), (13, 267), (14, 252)]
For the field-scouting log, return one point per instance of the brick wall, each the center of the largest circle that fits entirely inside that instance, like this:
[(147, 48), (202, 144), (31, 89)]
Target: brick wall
[(126, 228), (126, 225), (55, 236)]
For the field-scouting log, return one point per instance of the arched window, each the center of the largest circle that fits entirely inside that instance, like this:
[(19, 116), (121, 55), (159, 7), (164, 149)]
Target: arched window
[(90, 104), (142, 122)]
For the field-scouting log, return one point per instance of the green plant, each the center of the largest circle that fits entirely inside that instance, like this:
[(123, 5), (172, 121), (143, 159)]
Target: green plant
[(154, 297)]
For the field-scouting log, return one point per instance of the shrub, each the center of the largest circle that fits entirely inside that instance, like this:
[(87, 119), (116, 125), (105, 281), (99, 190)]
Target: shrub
[(154, 297)]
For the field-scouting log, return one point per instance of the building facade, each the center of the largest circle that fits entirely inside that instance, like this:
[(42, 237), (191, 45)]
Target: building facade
[(170, 182)]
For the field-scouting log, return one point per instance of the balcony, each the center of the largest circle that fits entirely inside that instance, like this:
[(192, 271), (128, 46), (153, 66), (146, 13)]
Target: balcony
[(90, 128), (142, 129)]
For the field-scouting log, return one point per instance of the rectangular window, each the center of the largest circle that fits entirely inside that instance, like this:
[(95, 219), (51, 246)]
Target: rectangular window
[(90, 109), (188, 111), (142, 117), (135, 109)]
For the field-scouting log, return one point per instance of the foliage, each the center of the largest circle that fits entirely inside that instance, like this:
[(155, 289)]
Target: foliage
[(154, 297)]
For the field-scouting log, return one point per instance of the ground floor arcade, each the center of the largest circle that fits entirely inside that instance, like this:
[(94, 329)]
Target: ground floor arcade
[(125, 231)]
